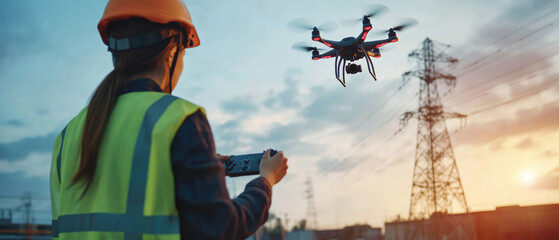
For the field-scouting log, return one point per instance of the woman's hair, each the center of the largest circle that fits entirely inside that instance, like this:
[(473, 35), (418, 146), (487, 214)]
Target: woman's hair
[(126, 64)]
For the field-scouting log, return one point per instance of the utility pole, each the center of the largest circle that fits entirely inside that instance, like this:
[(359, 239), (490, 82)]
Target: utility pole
[(436, 188), (311, 209), (28, 220)]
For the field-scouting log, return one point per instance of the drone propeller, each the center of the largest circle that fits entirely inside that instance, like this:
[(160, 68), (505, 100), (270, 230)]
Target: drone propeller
[(374, 11), (304, 47), (411, 22), (303, 24)]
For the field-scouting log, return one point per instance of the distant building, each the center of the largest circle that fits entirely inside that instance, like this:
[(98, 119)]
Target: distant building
[(24, 231), (357, 232), (539, 222), (300, 235)]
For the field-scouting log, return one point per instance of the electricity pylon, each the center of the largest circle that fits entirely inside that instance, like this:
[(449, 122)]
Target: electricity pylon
[(312, 222), (436, 188)]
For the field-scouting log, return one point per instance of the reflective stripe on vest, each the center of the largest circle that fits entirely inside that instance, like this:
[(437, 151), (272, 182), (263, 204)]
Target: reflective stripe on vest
[(133, 223), (59, 157)]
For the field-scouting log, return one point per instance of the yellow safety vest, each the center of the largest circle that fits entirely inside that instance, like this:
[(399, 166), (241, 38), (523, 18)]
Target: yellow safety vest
[(132, 193)]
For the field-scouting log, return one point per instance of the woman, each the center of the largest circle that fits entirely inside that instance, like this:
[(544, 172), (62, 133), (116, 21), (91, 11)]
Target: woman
[(138, 163)]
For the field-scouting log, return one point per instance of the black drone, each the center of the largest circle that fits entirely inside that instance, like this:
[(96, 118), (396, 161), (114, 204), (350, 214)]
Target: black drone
[(350, 48)]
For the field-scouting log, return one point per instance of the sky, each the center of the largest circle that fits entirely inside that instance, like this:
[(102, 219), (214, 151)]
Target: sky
[(260, 93)]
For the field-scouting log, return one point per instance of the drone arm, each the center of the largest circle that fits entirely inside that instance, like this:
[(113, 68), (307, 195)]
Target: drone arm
[(328, 43), (363, 35), (376, 44), (329, 54)]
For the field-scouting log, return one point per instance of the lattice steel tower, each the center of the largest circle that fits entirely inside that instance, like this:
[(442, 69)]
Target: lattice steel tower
[(312, 222), (436, 188)]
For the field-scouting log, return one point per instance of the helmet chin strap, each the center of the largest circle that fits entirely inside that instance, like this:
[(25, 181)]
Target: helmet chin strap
[(173, 65)]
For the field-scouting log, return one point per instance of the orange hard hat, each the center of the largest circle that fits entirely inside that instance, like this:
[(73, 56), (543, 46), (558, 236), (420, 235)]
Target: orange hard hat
[(159, 11)]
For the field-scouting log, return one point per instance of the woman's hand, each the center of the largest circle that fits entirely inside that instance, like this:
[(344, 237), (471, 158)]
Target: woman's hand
[(222, 158), (273, 168)]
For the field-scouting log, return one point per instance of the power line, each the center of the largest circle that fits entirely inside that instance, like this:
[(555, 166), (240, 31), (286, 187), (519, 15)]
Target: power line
[(499, 52), (361, 143), (21, 197), (380, 106), (516, 30), (383, 143), (554, 43), (531, 93), (371, 114), (360, 176), (476, 95)]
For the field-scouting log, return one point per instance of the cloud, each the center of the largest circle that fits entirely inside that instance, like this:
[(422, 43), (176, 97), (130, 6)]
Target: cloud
[(549, 154), (34, 165), (290, 136), (227, 136), (497, 145), (318, 119), (526, 143), (508, 48), (526, 9), (21, 33), (42, 112), (287, 98), (15, 123), (514, 22), (342, 106), (333, 165), (506, 79), (242, 105), (22, 148), (549, 181), (526, 120)]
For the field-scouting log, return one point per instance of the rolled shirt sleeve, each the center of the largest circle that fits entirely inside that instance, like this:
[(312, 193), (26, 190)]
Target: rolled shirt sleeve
[(205, 208)]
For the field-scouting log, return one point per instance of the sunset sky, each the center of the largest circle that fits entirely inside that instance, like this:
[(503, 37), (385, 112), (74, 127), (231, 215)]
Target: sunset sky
[(260, 93)]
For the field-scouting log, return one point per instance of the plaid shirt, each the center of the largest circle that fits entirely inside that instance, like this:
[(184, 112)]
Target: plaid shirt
[(205, 209)]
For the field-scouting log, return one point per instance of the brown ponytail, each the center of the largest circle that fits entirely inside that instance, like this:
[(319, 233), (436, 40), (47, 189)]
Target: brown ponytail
[(127, 64)]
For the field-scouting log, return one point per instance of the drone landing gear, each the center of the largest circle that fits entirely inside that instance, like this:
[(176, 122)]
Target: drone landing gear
[(369, 63), (337, 65)]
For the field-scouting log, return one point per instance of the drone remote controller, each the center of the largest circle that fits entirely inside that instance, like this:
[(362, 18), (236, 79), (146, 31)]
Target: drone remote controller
[(242, 165)]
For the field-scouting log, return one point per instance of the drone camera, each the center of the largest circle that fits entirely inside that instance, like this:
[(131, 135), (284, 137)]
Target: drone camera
[(353, 68)]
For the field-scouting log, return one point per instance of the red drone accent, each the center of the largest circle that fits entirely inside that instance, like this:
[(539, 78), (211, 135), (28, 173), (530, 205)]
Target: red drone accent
[(316, 39), (394, 40), (315, 58), (367, 28), (364, 36), (326, 57)]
